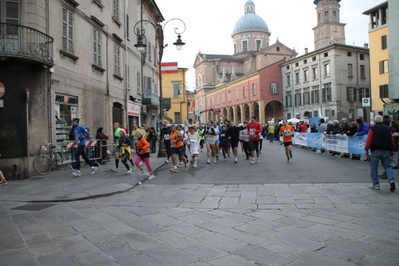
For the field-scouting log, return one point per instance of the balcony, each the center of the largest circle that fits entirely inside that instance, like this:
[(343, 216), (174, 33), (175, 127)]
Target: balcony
[(22, 42), (150, 99)]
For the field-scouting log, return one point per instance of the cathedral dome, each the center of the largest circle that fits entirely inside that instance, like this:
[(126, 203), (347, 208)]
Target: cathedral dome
[(250, 21)]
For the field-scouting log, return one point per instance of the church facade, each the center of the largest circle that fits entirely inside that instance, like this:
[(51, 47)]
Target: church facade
[(249, 82)]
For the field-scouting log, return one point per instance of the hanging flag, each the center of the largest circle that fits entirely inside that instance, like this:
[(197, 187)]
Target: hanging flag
[(169, 68)]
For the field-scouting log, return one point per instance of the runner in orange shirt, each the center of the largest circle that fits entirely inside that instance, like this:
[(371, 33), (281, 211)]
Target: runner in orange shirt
[(287, 131), (177, 148)]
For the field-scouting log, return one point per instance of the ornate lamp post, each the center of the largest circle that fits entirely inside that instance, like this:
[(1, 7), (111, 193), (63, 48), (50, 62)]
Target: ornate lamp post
[(141, 46)]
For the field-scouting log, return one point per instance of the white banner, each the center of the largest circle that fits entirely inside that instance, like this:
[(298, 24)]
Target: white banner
[(300, 139), (338, 143)]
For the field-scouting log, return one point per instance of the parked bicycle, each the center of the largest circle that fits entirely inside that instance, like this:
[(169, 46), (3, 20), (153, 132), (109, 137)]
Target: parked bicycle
[(47, 160)]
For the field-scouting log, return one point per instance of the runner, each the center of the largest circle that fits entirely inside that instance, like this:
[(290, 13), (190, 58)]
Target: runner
[(194, 139), (126, 153), (216, 127), (165, 138), (143, 154), (224, 142), (177, 148), (287, 131), (233, 134), (117, 148), (210, 138), (253, 129)]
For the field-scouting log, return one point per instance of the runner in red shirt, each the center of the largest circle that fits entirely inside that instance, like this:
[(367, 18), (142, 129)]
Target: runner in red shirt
[(254, 128)]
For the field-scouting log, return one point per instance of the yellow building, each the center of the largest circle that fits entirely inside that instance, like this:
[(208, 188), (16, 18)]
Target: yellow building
[(174, 88), (379, 54)]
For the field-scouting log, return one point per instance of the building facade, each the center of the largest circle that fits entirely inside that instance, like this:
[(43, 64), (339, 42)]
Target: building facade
[(333, 80), (235, 85), (70, 58)]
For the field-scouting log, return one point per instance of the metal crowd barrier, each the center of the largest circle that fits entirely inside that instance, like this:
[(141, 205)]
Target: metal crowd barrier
[(93, 149)]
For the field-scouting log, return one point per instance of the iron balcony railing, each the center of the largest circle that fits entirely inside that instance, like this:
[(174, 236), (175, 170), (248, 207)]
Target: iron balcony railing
[(25, 42), (150, 98)]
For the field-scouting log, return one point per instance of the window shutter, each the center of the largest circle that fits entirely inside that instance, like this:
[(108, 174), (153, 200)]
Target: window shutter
[(70, 31), (64, 29), (12, 12)]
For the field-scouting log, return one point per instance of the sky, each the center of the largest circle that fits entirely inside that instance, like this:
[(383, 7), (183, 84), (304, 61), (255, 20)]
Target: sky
[(209, 24)]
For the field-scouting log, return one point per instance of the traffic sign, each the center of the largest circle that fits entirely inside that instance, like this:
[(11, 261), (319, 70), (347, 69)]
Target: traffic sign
[(2, 90)]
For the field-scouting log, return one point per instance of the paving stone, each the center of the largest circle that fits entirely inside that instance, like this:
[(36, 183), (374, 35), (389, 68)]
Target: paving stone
[(232, 260), (61, 259), (334, 216), (162, 219), (367, 230), (266, 214), (204, 252), (280, 247), (221, 242), (40, 239), (227, 222), (276, 206), (139, 240), (313, 258), (319, 220), (371, 261), (138, 260), (213, 227), (75, 244), (30, 228), (61, 229), (261, 256), (294, 222), (256, 230), (340, 254), (96, 236), (70, 216), (11, 241), (117, 248), (355, 246), (382, 241), (301, 233), (189, 230), (125, 216), (298, 189), (117, 228), (175, 239), (19, 256), (322, 206), (244, 237), (8, 228), (321, 199), (93, 257), (84, 225), (21, 217), (170, 256), (295, 241), (267, 224), (335, 231), (390, 255), (246, 206)]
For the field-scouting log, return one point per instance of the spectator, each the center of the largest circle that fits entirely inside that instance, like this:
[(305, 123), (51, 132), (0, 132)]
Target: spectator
[(102, 145)]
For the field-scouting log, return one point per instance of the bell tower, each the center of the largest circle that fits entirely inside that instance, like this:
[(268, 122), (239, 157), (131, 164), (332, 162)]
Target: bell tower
[(329, 29)]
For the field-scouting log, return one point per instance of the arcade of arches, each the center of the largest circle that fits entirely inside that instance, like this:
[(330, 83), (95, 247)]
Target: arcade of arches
[(243, 112)]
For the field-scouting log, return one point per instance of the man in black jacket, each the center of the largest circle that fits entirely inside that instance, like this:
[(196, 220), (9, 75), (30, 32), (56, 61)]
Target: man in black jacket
[(381, 144), (233, 134)]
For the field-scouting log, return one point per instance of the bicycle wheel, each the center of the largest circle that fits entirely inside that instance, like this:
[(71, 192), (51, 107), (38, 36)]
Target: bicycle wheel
[(42, 164), (57, 160)]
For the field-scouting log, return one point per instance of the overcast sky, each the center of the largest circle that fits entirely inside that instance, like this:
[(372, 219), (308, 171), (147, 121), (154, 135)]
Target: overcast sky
[(209, 24)]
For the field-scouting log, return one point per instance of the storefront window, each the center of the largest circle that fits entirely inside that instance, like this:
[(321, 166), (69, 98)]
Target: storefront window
[(66, 108)]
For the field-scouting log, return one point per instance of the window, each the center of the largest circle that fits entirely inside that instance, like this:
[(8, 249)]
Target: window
[(149, 50), (384, 44), (229, 96), (350, 71), (297, 77), (384, 67), (273, 88), (315, 94), (351, 94), (363, 93), (319, 17), (237, 94), (349, 54), (305, 75), (127, 78), (116, 10), (97, 47), (117, 66), (314, 58), (288, 80), (244, 46), (326, 93), (332, 112), (177, 118), (254, 89), (384, 91), (326, 16), (296, 64), (67, 30), (176, 90), (217, 99), (335, 15), (298, 98), (306, 99), (243, 92), (361, 56), (325, 54), (326, 70), (314, 73), (288, 101), (223, 98), (138, 82), (305, 61), (235, 48), (287, 67), (258, 45), (127, 26), (362, 72), (147, 84)]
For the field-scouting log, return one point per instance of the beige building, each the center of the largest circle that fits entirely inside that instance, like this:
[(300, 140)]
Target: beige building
[(78, 59), (332, 81)]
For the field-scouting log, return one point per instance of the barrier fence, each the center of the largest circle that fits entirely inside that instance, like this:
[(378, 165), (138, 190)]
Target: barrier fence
[(337, 143), (96, 150)]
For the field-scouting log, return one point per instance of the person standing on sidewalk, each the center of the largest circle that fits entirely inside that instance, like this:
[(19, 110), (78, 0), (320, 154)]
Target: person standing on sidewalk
[(287, 131), (143, 154), (254, 129), (381, 144), (80, 136)]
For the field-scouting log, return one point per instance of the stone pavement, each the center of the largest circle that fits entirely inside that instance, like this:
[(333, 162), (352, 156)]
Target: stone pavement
[(62, 220), (61, 185)]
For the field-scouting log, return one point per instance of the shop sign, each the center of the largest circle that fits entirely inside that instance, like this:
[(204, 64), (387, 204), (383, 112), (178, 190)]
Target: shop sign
[(66, 99), (133, 109)]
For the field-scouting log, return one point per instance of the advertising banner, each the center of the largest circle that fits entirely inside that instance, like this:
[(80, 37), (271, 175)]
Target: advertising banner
[(315, 140), (356, 144), (338, 143), (300, 139)]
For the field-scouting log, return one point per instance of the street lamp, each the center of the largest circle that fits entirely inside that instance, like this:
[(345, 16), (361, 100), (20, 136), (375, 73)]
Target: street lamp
[(141, 47)]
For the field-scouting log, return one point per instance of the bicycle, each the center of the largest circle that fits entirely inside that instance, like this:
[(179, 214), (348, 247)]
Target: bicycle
[(47, 160)]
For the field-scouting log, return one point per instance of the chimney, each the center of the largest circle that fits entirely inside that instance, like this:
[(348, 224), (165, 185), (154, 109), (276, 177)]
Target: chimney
[(306, 50), (366, 45)]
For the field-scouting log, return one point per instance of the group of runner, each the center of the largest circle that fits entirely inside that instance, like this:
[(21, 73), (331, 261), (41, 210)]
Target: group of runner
[(224, 137)]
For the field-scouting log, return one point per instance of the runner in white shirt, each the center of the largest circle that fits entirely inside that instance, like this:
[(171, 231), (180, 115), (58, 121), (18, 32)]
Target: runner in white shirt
[(194, 139)]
